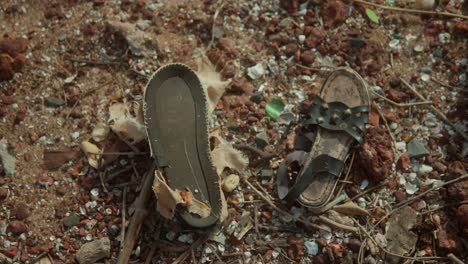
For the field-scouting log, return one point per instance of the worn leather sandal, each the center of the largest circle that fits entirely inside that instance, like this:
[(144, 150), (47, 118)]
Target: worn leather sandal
[(340, 114), (177, 128)]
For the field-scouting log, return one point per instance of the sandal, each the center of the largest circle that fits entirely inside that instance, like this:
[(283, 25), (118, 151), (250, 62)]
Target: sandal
[(177, 128), (340, 114)]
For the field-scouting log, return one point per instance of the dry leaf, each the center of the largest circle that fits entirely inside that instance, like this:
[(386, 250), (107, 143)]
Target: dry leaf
[(122, 122), (350, 208), (90, 151), (199, 208), (211, 81), (53, 159), (100, 132), (226, 156), (167, 199)]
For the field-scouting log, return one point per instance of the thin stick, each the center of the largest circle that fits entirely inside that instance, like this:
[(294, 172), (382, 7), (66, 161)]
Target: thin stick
[(346, 175), (414, 11), (320, 68), (404, 203), (443, 206), (263, 155), (368, 191), (124, 209), (214, 22), (454, 259), (400, 104), (138, 217), (151, 253), (338, 225), (119, 153), (435, 110), (444, 84), (270, 203), (388, 252)]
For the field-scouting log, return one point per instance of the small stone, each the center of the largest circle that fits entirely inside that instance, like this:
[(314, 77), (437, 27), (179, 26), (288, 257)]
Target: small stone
[(403, 161), (424, 169), (256, 98), (3, 193), (416, 149), (261, 140), (21, 211), (307, 58), (186, 238), (256, 71), (17, 227), (93, 251), (6, 159), (440, 167), (401, 146), (354, 245), (75, 135), (71, 220), (230, 183), (400, 196), (312, 247), (266, 173), (448, 241), (54, 102), (356, 42)]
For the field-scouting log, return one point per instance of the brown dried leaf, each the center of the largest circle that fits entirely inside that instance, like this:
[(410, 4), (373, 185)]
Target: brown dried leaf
[(211, 81), (350, 208), (53, 159), (124, 123), (167, 199), (90, 151)]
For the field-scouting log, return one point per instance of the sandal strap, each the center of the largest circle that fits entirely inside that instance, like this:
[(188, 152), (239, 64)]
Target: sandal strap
[(320, 164), (337, 116)]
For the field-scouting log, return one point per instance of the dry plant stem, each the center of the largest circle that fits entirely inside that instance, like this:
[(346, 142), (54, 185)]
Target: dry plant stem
[(332, 223), (270, 203), (151, 253), (138, 216), (119, 153), (124, 209), (263, 155), (405, 203), (414, 11), (454, 259), (387, 126), (321, 68), (369, 190), (388, 252), (216, 14), (338, 193), (183, 256), (435, 110), (442, 206), (444, 84), (400, 104)]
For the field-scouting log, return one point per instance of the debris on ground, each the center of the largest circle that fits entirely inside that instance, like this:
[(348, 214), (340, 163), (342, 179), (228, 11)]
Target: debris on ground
[(74, 156), (93, 251)]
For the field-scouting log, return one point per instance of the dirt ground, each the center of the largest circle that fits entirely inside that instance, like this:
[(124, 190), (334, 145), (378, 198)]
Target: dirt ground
[(75, 63)]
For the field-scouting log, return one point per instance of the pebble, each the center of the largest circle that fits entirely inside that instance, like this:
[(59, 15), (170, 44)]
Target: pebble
[(393, 126), (17, 227), (230, 183), (94, 193), (401, 146), (54, 102), (424, 169), (186, 238), (6, 159), (411, 188), (312, 248), (91, 252), (364, 184), (416, 149), (261, 140), (75, 135), (256, 71), (71, 220), (301, 38)]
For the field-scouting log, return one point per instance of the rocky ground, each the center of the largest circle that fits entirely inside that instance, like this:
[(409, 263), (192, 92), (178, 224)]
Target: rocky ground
[(72, 75)]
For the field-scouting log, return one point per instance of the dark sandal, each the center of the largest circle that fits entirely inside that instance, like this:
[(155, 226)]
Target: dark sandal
[(177, 128), (340, 114)]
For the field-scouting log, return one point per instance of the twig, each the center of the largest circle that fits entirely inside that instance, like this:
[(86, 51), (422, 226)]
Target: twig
[(454, 259), (97, 63), (444, 84), (401, 104), (435, 110), (270, 203), (256, 218), (124, 208), (118, 153), (388, 252), (387, 126), (117, 173), (442, 206), (138, 217), (151, 253), (184, 255), (436, 187), (414, 11), (263, 155), (103, 182), (346, 175), (71, 109), (39, 257), (328, 221), (368, 191), (320, 68)]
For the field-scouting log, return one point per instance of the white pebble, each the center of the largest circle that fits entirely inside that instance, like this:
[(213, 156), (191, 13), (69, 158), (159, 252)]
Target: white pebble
[(401, 146), (312, 247), (256, 71), (423, 169), (301, 38)]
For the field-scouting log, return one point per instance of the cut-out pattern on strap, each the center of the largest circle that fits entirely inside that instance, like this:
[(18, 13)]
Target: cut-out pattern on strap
[(337, 116)]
